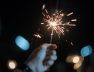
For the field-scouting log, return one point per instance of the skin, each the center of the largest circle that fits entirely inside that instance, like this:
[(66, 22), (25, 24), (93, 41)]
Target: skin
[(42, 58)]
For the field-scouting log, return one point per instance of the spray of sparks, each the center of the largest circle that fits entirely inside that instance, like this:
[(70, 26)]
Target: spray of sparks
[(55, 21)]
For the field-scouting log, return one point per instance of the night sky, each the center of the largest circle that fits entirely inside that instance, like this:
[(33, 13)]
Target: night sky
[(24, 18)]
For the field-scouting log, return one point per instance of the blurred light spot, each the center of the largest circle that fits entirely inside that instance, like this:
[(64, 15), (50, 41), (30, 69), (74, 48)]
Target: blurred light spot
[(69, 59), (12, 64), (76, 59), (77, 65), (22, 43), (85, 51)]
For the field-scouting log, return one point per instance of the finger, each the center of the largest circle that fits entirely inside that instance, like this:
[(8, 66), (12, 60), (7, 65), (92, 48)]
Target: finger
[(45, 46), (52, 46), (53, 56), (54, 52), (50, 57), (49, 52), (50, 49), (47, 58), (49, 63)]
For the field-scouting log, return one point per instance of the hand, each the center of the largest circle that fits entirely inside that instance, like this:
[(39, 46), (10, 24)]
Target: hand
[(42, 58)]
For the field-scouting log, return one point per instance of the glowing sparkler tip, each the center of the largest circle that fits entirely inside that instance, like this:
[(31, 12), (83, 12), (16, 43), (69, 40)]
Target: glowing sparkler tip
[(53, 24), (55, 21)]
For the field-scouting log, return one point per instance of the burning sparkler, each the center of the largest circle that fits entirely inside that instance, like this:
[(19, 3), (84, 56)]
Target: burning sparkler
[(56, 22)]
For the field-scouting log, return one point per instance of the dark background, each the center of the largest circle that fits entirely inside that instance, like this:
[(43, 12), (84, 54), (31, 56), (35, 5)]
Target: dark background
[(24, 18)]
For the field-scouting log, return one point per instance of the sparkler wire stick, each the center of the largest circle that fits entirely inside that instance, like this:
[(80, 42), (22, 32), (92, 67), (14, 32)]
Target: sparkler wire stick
[(51, 36), (57, 3)]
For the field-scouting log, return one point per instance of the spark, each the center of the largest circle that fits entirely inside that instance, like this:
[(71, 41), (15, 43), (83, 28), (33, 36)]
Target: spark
[(37, 35), (74, 20), (56, 22), (72, 43), (43, 7), (70, 14), (42, 23)]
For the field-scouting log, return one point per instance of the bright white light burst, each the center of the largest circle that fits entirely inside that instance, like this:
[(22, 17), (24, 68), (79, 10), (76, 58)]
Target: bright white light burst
[(55, 21)]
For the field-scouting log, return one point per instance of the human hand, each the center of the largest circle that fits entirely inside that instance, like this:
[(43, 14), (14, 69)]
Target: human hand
[(42, 58)]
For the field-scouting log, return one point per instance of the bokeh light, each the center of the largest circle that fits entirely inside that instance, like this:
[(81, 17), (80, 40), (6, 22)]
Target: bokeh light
[(12, 64), (22, 43), (69, 59), (85, 51), (77, 65), (76, 59)]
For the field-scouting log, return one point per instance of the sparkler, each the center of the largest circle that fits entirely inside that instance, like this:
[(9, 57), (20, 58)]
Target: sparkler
[(55, 22)]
